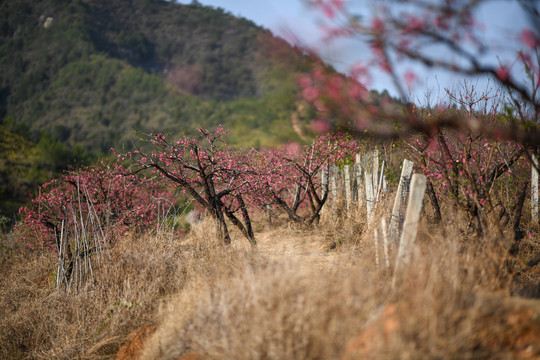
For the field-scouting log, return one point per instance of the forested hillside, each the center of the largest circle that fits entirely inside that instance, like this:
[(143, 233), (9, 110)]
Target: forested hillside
[(27, 161), (89, 72)]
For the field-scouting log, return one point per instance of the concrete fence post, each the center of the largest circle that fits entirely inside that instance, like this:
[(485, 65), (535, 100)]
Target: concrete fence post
[(410, 226), (401, 198), (534, 190), (347, 184)]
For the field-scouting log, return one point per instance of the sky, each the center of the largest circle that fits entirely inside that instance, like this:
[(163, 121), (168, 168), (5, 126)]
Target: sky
[(290, 19)]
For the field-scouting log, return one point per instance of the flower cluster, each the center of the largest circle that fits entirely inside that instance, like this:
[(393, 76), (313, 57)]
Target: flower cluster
[(468, 170), (290, 178), (203, 168), (106, 194)]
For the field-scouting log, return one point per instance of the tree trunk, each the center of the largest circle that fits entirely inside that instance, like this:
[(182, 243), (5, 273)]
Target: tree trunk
[(434, 202), (248, 228), (222, 226)]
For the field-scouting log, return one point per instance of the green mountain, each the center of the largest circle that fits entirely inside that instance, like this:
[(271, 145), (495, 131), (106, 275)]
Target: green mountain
[(90, 71)]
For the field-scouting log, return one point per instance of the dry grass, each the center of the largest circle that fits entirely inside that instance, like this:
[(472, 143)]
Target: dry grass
[(452, 303), (39, 322), (300, 294)]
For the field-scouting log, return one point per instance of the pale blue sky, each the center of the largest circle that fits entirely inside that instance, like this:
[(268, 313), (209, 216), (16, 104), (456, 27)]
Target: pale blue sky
[(502, 18)]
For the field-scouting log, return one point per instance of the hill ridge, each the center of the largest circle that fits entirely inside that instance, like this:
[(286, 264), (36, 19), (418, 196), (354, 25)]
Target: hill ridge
[(90, 71)]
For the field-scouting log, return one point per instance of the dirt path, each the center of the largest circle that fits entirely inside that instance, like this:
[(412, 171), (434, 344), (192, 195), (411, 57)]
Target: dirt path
[(298, 248)]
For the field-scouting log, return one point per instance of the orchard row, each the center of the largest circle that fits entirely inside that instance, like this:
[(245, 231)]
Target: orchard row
[(470, 173)]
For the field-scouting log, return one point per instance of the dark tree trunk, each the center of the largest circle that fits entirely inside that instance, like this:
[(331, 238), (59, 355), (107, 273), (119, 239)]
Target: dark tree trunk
[(247, 220), (222, 224), (434, 202)]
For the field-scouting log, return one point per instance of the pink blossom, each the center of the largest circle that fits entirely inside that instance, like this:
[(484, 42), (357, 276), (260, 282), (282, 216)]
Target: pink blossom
[(338, 4), (292, 148), (320, 126), (414, 24), (442, 22), (311, 93), (304, 81), (410, 78), (361, 73), (357, 91), (377, 25), (529, 38), (327, 10), (502, 73)]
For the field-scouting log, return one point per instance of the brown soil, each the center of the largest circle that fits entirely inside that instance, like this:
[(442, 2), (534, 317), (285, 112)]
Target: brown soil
[(132, 349)]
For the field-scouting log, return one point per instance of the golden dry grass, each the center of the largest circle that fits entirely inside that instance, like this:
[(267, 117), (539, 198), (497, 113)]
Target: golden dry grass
[(300, 294), (39, 322)]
